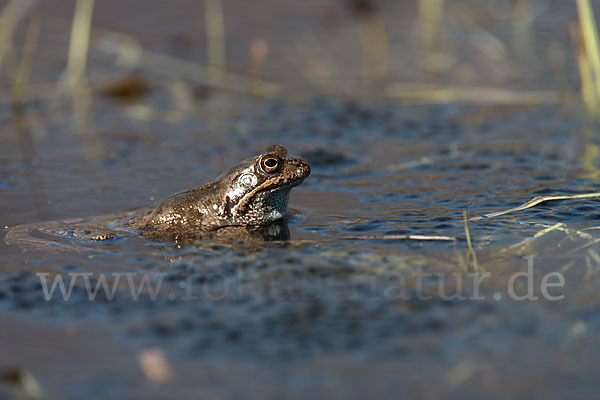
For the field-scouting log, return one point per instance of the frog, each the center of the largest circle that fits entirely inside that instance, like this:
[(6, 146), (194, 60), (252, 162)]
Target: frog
[(249, 198)]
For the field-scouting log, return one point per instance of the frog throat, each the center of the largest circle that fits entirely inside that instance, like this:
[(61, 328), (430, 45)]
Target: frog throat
[(232, 207)]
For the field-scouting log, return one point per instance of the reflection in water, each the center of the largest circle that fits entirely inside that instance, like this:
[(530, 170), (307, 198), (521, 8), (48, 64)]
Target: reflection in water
[(27, 147), (591, 152), (277, 231), (80, 234)]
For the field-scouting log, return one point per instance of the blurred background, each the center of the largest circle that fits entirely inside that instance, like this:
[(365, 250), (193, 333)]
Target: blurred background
[(349, 47)]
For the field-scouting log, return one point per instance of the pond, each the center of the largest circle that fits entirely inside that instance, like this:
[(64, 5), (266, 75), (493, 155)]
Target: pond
[(358, 301)]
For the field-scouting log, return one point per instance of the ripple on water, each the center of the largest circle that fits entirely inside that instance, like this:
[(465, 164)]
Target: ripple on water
[(324, 296)]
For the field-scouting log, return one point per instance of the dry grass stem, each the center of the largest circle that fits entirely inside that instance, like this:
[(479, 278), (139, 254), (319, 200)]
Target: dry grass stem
[(215, 34), (471, 252), (23, 73), (12, 13), (535, 201), (79, 42), (440, 94), (588, 57), (520, 246), (405, 237)]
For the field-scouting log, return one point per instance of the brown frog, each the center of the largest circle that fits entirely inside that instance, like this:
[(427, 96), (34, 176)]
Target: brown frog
[(254, 192), (250, 197)]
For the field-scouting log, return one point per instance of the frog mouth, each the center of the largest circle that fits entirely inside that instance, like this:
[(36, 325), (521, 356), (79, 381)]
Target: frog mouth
[(274, 184), (267, 187)]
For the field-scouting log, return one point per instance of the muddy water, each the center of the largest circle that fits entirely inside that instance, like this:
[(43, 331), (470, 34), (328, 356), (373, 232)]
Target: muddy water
[(329, 303), (342, 308)]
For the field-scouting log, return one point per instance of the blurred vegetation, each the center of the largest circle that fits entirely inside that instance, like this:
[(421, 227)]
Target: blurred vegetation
[(440, 31)]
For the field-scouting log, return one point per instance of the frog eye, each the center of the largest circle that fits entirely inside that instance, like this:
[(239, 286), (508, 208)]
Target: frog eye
[(270, 164)]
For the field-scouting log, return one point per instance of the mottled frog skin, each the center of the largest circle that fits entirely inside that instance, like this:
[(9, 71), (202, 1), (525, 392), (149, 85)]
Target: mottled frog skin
[(255, 192), (251, 198)]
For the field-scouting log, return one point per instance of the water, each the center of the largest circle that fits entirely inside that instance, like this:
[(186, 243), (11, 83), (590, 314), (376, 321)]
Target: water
[(329, 297), (344, 307)]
